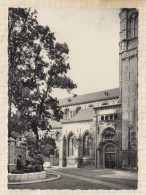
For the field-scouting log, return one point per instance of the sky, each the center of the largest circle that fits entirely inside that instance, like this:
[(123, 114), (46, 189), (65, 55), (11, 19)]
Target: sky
[(92, 36)]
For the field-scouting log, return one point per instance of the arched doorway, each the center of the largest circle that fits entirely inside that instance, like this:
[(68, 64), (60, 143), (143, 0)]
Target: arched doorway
[(110, 157)]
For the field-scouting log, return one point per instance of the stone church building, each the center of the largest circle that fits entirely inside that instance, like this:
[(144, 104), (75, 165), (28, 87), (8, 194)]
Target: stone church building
[(100, 128)]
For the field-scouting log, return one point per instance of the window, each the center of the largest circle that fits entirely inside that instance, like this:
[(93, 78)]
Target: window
[(78, 110), (66, 114), (57, 136), (102, 118), (129, 75), (133, 25), (111, 117), (98, 130), (87, 145), (115, 116), (104, 103), (106, 117), (129, 138), (71, 145)]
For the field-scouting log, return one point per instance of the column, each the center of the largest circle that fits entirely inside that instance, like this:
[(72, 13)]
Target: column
[(78, 153), (98, 159), (62, 152), (11, 155)]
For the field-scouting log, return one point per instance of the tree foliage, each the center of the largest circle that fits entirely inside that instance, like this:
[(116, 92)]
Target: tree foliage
[(44, 147), (37, 64)]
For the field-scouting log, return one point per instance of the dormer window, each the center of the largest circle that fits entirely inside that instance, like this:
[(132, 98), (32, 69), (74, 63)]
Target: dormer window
[(78, 109), (106, 93), (104, 103)]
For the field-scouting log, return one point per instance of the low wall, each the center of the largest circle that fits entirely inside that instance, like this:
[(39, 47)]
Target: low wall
[(26, 176)]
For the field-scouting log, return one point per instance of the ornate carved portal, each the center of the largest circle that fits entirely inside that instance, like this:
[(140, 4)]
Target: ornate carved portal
[(107, 151), (107, 156)]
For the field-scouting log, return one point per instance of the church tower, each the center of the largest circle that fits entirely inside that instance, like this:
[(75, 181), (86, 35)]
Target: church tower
[(128, 70)]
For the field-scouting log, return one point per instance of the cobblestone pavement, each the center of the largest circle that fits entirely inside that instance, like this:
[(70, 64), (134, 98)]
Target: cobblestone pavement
[(86, 178)]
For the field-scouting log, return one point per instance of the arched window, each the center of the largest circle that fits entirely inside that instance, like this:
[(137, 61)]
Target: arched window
[(133, 26), (78, 110), (71, 142), (109, 134), (57, 136), (66, 114), (87, 144)]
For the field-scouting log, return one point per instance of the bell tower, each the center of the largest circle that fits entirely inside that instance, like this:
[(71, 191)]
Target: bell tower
[(128, 70)]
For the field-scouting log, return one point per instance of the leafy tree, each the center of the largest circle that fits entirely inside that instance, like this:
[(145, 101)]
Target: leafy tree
[(37, 64), (44, 147)]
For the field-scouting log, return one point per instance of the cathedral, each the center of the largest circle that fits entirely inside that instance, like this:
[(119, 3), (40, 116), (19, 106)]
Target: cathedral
[(101, 129)]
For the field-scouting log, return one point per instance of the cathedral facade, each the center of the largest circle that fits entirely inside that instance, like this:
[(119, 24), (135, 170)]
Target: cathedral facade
[(100, 129)]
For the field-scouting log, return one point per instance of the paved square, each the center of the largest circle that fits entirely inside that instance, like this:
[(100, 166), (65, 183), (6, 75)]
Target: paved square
[(86, 178)]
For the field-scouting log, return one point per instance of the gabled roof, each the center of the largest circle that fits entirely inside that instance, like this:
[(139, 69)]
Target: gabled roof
[(84, 115), (55, 124), (90, 97)]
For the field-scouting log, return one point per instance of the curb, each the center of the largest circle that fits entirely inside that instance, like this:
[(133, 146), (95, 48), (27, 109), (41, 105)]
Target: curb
[(37, 181)]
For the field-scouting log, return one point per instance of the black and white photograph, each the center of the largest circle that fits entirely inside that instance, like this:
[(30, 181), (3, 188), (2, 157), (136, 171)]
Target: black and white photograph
[(73, 98)]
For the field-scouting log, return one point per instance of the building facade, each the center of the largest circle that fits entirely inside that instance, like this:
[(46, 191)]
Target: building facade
[(100, 129)]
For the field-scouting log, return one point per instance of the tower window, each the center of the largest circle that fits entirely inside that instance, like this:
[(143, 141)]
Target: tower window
[(133, 25), (129, 75), (129, 138), (98, 130)]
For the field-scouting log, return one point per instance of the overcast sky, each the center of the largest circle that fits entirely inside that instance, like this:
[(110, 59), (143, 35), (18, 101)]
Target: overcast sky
[(92, 36)]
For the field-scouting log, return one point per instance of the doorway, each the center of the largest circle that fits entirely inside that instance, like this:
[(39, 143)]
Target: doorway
[(110, 157)]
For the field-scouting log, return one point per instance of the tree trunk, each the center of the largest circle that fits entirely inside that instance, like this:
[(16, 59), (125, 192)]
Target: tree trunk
[(35, 130)]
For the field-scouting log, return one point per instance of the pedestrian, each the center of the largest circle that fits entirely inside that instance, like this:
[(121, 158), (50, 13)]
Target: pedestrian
[(19, 163)]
